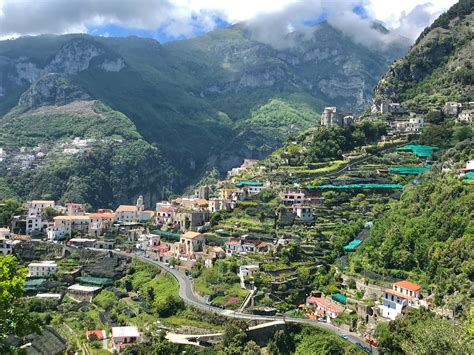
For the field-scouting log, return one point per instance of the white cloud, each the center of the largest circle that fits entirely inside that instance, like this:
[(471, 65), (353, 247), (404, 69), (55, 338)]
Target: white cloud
[(182, 17)]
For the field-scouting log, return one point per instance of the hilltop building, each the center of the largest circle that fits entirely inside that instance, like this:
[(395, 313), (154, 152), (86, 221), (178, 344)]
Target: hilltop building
[(329, 117)]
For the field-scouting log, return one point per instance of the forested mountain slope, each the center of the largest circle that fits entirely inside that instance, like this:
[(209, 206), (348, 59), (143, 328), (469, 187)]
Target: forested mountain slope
[(211, 100), (439, 66), (63, 145)]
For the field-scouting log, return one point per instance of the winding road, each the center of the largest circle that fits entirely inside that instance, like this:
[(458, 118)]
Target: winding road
[(186, 292)]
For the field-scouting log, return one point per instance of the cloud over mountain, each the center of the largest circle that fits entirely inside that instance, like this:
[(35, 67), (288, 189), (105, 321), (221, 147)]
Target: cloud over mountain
[(270, 19)]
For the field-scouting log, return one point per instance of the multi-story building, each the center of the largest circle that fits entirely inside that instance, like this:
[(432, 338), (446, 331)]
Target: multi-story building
[(35, 221), (126, 213), (42, 269), (401, 295), (5, 246), (292, 198), (466, 116), (244, 246), (189, 244), (219, 204), (323, 307), (186, 219), (329, 117), (99, 223), (68, 225), (305, 213)]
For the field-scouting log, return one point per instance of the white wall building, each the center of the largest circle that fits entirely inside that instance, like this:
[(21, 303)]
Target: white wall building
[(305, 213), (124, 336), (42, 269), (5, 246), (401, 295)]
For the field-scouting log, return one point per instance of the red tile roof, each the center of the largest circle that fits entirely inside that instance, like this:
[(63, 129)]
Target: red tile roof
[(101, 215), (321, 302), (98, 333), (408, 285)]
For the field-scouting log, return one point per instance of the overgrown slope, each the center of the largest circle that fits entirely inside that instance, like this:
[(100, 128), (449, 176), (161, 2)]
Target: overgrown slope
[(439, 66), (211, 100), (81, 151)]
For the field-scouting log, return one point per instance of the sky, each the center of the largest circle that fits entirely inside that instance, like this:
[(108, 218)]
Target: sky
[(167, 20)]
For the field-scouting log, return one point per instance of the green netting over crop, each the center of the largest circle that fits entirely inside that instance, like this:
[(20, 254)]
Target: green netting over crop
[(355, 186), (96, 281), (422, 151), (469, 176), (249, 183), (33, 284), (166, 234), (409, 170), (352, 246), (339, 298)]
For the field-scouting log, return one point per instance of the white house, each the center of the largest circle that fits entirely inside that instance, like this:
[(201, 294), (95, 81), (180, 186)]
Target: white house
[(42, 269), (4, 232), (466, 116), (124, 336), (416, 123), (304, 212), (68, 225), (5, 246), (126, 213), (246, 271), (401, 295), (34, 220)]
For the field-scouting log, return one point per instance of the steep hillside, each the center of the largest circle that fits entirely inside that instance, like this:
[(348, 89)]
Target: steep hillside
[(62, 145), (438, 67), (212, 100), (428, 235)]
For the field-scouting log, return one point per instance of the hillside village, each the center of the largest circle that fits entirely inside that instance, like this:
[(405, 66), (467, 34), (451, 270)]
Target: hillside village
[(251, 241)]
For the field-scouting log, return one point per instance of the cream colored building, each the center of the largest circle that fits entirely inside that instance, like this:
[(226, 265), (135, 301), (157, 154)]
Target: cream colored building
[(42, 269)]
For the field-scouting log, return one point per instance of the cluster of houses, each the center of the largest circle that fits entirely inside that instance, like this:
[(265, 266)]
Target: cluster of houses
[(462, 112), (394, 302), (73, 219)]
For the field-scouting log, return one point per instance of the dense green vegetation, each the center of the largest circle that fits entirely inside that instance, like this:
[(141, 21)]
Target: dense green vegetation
[(327, 143), (301, 340), (15, 320), (428, 235), (422, 332), (117, 165), (223, 92), (438, 68)]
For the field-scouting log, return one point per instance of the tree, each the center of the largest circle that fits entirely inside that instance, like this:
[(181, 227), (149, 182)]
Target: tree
[(234, 337), (14, 317), (9, 208), (49, 213), (251, 348)]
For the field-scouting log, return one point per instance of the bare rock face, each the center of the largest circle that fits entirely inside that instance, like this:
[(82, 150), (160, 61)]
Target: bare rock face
[(74, 57), (51, 89)]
